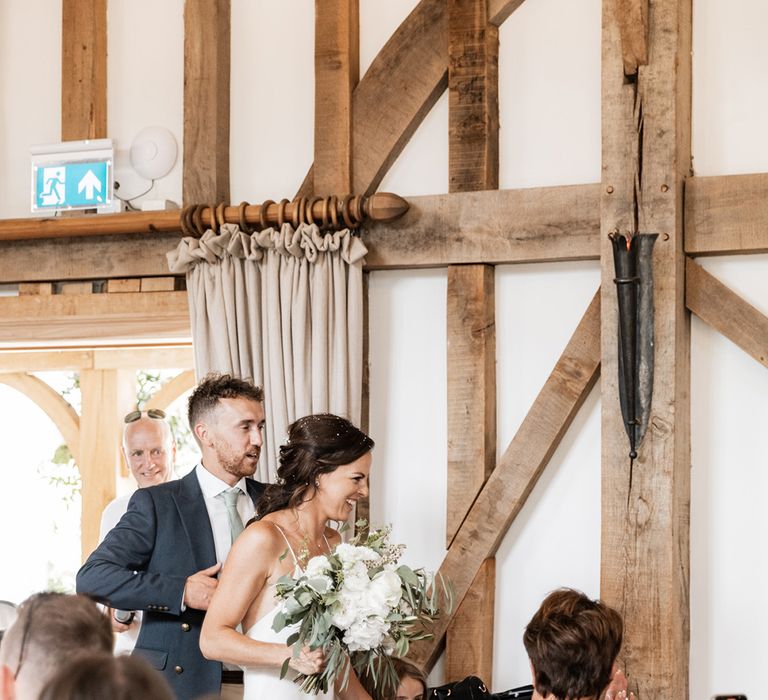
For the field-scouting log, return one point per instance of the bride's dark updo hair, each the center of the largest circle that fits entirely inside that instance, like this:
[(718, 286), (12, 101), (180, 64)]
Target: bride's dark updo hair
[(317, 444)]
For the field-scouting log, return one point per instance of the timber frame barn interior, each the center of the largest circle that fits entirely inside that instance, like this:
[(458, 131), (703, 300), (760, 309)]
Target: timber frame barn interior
[(115, 286)]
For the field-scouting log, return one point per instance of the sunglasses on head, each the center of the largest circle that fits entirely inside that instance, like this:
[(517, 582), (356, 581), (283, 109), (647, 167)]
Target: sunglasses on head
[(155, 413)]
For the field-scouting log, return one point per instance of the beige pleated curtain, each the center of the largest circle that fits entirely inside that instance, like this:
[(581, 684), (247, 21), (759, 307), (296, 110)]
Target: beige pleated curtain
[(285, 309)]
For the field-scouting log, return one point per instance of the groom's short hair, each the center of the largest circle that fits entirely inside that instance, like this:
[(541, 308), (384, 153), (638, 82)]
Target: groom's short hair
[(214, 387), (572, 642)]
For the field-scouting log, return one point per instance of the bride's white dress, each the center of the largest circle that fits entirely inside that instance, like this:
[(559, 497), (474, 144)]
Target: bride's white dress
[(263, 683)]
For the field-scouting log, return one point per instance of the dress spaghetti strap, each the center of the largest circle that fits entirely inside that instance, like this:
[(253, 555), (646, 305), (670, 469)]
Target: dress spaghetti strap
[(293, 554)]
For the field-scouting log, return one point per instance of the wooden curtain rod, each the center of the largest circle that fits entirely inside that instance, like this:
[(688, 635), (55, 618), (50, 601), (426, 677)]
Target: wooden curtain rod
[(327, 212)]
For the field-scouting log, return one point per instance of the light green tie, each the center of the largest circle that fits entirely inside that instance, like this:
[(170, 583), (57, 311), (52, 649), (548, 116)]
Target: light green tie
[(230, 501)]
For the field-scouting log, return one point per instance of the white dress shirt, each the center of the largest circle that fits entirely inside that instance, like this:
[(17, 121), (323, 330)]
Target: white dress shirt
[(212, 486)]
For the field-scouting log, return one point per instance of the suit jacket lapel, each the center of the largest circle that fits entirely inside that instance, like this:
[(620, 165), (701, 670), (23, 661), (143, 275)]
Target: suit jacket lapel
[(195, 520), (255, 489)]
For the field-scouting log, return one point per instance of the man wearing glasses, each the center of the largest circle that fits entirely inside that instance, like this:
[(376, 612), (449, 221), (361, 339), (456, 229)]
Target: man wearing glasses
[(50, 630), (164, 555), (149, 451)]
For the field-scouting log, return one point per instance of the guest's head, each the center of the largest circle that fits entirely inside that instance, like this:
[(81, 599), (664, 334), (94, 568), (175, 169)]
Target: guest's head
[(226, 415), (411, 685), (148, 447), (50, 630), (572, 642), (102, 675), (324, 455)]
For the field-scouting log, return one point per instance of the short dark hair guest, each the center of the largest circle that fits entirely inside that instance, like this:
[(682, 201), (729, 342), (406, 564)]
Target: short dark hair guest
[(214, 387), (50, 629), (572, 642), (97, 676)]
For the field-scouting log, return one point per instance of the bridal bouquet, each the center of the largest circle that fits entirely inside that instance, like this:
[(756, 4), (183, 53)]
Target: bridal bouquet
[(358, 605)]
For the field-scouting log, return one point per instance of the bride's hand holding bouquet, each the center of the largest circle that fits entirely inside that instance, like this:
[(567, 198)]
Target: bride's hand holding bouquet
[(358, 605)]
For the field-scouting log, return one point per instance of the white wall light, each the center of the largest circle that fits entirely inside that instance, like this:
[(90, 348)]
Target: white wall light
[(153, 152)]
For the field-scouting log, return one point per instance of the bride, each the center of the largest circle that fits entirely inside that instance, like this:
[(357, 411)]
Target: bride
[(323, 471)]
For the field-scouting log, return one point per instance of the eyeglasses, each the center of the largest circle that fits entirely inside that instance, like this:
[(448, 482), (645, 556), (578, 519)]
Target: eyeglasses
[(32, 603), (155, 413)]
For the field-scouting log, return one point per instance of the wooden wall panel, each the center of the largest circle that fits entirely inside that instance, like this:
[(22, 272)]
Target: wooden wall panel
[(473, 164), (519, 468), (337, 60), (84, 70), (107, 395), (726, 214), (645, 512), (726, 312), (207, 41)]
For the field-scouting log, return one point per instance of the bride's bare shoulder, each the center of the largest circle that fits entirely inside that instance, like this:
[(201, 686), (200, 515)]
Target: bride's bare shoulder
[(263, 534)]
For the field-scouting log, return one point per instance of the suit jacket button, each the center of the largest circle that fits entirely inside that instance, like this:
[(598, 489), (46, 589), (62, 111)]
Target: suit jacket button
[(185, 627), (178, 669)]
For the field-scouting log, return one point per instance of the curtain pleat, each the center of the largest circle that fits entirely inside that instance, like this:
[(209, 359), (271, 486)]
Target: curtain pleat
[(284, 309)]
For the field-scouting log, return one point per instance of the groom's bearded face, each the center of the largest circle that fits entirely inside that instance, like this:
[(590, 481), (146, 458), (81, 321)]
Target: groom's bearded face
[(237, 435)]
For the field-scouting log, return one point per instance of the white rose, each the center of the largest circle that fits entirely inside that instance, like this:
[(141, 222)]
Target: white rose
[(385, 588), (350, 554), (356, 578), (317, 566), (366, 634), (345, 610)]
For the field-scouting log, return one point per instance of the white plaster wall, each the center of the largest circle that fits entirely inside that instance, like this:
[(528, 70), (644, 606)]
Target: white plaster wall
[(30, 86), (729, 569), (548, 136)]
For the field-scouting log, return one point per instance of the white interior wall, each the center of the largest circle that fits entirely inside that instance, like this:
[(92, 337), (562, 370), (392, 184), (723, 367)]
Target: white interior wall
[(547, 137)]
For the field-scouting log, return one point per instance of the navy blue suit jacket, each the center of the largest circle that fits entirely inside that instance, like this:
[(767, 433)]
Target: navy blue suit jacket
[(143, 564)]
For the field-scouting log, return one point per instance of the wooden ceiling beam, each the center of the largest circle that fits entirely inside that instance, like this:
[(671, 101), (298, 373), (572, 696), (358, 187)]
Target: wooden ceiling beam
[(337, 62), (207, 39), (538, 224), (519, 468), (473, 164), (100, 358), (402, 84), (84, 70), (32, 319), (726, 214), (632, 16), (645, 517), (726, 312)]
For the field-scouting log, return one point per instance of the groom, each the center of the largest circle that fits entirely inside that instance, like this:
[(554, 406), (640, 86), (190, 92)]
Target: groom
[(164, 554)]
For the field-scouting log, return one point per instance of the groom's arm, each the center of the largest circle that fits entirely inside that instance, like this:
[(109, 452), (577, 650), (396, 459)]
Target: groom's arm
[(116, 572)]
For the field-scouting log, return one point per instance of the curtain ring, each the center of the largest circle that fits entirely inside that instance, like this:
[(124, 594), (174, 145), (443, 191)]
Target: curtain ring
[(310, 204), (334, 207), (281, 213), (263, 220), (326, 208), (298, 211), (214, 223), (345, 202), (241, 216), (186, 222), (357, 203), (220, 218), (197, 219)]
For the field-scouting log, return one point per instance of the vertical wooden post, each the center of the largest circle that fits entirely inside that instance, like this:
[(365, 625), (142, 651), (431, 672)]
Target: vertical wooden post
[(645, 518), (472, 165), (84, 70), (107, 395), (337, 61), (206, 101)]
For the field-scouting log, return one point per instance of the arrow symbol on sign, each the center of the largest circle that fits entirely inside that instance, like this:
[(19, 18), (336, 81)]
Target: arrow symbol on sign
[(89, 183)]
